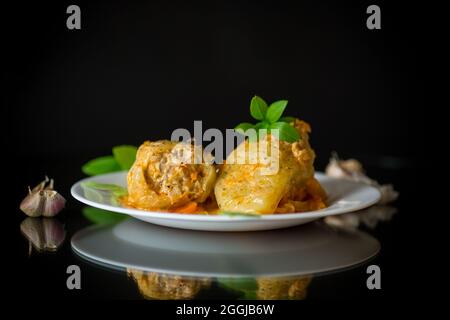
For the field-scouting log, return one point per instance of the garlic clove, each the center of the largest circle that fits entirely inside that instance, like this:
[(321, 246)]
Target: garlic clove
[(33, 204), (333, 169), (352, 166), (43, 200), (350, 169), (53, 204)]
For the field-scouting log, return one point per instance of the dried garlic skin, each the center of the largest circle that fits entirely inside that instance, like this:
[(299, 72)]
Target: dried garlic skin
[(353, 170), (42, 200), (388, 194), (348, 169)]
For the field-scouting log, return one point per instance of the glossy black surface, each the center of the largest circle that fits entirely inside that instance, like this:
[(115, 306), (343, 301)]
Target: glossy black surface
[(45, 273)]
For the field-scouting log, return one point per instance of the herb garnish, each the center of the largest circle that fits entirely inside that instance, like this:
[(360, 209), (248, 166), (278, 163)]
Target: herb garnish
[(116, 190), (122, 158), (270, 117)]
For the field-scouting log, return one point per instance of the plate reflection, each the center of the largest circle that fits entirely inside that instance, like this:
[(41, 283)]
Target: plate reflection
[(167, 263)]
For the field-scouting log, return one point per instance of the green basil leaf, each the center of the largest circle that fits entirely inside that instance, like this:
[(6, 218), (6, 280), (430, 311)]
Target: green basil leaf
[(116, 190), (125, 155), (287, 119), (258, 108), (264, 125), (101, 165), (259, 125), (242, 127), (99, 216), (252, 135), (275, 110), (259, 128), (286, 131)]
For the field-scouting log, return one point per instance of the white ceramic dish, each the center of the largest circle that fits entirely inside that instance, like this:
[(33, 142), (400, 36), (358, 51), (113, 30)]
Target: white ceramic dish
[(343, 196)]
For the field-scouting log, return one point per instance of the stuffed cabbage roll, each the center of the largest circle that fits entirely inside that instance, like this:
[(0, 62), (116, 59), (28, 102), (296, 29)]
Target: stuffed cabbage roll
[(165, 177), (247, 188)]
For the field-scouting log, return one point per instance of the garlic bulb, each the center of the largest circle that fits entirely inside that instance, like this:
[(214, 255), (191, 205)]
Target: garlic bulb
[(42, 200), (353, 170)]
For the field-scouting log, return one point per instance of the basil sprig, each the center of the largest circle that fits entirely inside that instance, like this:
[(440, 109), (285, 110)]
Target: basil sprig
[(270, 117), (116, 190), (122, 158)]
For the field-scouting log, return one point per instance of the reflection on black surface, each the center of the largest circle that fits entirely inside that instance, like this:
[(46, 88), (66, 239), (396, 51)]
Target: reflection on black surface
[(99, 216), (44, 234), (172, 264), (269, 288), (369, 217), (153, 285), (302, 250)]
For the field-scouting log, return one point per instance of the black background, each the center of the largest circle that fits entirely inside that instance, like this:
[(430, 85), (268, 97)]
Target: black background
[(138, 70)]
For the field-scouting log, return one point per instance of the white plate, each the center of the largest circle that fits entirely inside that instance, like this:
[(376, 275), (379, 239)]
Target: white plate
[(343, 196), (303, 250)]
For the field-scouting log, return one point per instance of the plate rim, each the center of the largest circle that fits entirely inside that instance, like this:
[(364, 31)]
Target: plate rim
[(225, 218)]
